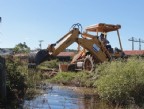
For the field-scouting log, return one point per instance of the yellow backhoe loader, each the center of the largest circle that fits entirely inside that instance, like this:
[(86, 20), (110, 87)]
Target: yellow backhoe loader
[(94, 50)]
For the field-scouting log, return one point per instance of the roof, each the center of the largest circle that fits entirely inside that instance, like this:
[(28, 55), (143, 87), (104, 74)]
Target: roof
[(64, 54), (20, 55), (134, 52), (102, 27), (6, 51)]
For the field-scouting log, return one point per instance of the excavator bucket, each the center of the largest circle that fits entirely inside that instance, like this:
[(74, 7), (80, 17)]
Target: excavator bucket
[(37, 58)]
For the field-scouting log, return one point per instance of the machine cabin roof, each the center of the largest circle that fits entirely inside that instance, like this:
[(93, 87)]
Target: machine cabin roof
[(102, 27)]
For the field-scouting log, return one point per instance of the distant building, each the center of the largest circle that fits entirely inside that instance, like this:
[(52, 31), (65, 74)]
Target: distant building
[(134, 52), (65, 56), (6, 51)]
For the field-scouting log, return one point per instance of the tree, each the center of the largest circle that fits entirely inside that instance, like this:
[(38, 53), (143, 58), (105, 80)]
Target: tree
[(21, 48)]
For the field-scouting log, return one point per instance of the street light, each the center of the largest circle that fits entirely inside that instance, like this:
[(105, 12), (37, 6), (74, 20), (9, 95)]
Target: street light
[(40, 45)]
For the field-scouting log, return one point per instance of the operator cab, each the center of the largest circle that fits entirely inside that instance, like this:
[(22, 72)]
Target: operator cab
[(103, 28)]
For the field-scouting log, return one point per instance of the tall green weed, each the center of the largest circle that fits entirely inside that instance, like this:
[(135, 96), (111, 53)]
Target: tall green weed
[(82, 79), (121, 81)]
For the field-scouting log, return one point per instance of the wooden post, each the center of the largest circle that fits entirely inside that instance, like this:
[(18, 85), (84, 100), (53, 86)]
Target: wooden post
[(119, 40)]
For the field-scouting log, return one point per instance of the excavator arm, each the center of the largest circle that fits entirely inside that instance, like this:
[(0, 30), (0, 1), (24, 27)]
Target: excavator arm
[(54, 49), (89, 42), (64, 42)]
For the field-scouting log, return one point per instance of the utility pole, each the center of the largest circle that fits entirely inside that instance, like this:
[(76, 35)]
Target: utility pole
[(140, 41), (133, 40), (40, 45)]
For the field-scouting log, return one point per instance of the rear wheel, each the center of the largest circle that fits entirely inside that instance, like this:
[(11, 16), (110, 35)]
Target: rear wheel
[(89, 64)]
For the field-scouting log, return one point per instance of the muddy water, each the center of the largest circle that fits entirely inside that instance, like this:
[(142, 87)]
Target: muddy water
[(60, 97)]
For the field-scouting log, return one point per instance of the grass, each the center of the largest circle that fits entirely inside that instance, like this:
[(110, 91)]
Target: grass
[(53, 64), (72, 78), (121, 82), (118, 82)]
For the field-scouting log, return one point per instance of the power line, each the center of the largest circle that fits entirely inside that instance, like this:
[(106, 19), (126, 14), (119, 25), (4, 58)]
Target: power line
[(135, 40), (140, 41)]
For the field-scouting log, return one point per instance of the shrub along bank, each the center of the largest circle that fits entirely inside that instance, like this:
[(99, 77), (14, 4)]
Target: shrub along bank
[(120, 82), (80, 79), (20, 81)]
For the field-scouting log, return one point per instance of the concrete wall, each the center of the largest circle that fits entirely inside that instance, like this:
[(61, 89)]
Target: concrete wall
[(2, 78)]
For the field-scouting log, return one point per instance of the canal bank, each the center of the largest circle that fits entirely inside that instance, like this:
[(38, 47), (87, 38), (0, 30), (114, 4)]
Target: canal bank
[(68, 97), (110, 81), (64, 97)]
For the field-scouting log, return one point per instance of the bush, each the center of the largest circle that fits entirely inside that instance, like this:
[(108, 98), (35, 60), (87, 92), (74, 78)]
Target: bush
[(16, 84), (83, 79), (19, 78), (80, 79), (63, 78), (121, 82), (49, 64)]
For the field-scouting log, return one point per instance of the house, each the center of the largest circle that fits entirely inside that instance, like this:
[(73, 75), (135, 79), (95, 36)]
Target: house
[(6, 51), (134, 52), (65, 56)]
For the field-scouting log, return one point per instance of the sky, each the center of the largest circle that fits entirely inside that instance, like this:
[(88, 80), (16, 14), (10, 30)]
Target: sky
[(33, 20)]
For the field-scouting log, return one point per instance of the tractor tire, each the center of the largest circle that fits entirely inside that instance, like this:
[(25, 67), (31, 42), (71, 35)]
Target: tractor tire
[(89, 64)]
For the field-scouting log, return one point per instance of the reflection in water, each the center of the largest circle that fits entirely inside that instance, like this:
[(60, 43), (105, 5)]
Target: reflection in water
[(63, 98)]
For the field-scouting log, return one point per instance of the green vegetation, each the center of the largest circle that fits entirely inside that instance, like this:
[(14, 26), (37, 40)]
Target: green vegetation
[(80, 79), (118, 82), (121, 82), (21, 48), (16, 79), (53, 64), (21, 82)]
